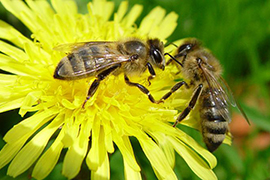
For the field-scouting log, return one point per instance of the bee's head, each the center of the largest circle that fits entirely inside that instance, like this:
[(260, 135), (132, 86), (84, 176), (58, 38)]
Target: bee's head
[(156, 50), (188, 46)]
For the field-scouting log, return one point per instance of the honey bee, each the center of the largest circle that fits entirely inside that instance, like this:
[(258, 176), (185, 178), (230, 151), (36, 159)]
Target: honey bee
[(211, 91), (102, 58)]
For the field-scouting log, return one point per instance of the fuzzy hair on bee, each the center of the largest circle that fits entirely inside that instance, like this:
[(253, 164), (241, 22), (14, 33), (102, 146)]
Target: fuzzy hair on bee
[(211, 93)]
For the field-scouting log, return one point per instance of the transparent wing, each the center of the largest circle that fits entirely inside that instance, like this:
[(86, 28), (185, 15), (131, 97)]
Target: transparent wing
[(222, 95), (69, 47), (223, 99), (231, 98), (90, 57)]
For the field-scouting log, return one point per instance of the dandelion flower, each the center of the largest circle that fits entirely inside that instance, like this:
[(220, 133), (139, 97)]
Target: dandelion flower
[(114, 114)]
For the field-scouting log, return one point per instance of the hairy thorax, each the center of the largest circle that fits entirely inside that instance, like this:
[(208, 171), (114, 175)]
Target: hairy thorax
[(196, 72)]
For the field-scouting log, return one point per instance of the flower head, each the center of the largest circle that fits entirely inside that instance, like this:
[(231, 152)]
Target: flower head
[(115, 113)]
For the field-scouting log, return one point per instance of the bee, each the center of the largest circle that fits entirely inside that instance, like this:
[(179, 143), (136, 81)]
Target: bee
[(210, 90), (102, 58)]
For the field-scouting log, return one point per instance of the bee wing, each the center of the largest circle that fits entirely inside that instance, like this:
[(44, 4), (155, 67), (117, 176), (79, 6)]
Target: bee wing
[(70, 47), (89, 58), (222, 95), (231, 98)]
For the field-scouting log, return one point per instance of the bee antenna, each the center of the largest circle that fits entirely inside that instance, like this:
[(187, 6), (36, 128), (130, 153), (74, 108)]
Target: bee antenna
[(174, 59), (171, 44)]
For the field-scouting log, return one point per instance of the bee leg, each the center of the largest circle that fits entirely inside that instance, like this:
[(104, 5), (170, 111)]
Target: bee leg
[(152, 72), (190, 105), (95, 84), (173, 89), (169, 62), (142, 88), (173, 58)]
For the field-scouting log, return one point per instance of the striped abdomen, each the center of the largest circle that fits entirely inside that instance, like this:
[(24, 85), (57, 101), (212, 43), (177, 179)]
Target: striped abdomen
[(214, 126), (84, 62)]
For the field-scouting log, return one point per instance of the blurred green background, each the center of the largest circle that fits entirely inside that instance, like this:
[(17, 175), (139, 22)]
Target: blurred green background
[(238, 34)]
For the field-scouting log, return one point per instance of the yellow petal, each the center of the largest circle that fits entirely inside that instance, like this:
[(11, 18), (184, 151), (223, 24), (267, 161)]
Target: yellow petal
[(123, 143), (22, 12), (7, 81), (16, 7), (132, 16), (103, 9), (42, 9), (103, 171), (10, 65), (71, 129), (44, 16), (30, 124), (11, 104), (75, 154), (150, 22), (167, 149), (160, 164), (29, 100), (63, 35), (130, 173), (194, 161), (12, 51), (96, 154), (7, 32), (65, 8), (209, 157), (107, 10), (49, 159), (166, 27), (35, 53), (121, 10), (67, 104), (108, 137), (9, 151), (31, 151), (228, 139)]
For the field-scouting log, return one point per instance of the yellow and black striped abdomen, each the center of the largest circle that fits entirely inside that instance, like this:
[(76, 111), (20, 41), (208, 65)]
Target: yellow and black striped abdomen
[(213, 125)]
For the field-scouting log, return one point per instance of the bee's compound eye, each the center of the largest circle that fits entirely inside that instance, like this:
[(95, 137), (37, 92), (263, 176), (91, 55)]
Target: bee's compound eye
[(185, 48), (156, 56)]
